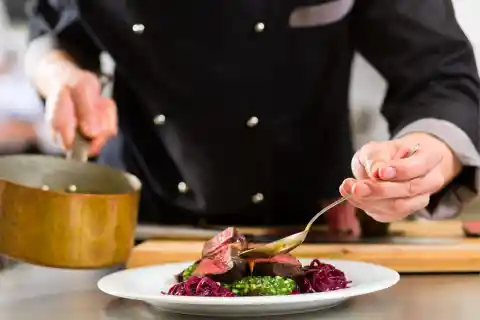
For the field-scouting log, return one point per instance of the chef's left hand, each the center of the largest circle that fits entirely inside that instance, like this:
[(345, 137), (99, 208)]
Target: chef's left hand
[(390, 187)]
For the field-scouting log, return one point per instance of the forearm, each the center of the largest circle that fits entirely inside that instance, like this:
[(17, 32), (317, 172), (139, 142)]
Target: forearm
[(429, 65)]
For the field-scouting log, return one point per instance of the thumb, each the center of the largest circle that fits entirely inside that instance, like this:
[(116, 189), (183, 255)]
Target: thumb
[(60, 114), (375, 158)]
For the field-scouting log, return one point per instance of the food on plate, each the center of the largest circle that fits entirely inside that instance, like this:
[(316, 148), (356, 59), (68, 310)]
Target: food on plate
[(187, 273), (284, 265), (320, 277), (221, 272), (220, 261), (196, 286), (224, 266), (228, 237), (263, 286)]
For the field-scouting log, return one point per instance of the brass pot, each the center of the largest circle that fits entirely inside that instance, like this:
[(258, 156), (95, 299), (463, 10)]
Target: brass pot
[(43, 222)]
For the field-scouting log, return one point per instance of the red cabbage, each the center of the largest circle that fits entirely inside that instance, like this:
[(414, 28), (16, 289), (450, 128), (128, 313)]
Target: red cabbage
[(321, 277), (296, 291), (199, 286)]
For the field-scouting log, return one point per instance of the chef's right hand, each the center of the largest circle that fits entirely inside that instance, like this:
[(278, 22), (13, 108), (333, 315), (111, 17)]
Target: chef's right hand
[(77, 104)]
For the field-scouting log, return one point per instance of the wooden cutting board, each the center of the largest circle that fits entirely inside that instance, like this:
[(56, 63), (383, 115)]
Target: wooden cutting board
[(420, 246)]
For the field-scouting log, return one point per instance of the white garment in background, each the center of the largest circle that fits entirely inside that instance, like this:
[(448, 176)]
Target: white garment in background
[(18, 98)]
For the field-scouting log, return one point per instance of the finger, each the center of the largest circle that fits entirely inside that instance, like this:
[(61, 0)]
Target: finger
[(402, 152), (352, 187), (346, 186), (415, 166), (398, 209), (357, 203), (358, 169), (61, 116), (367, 206), (428, 184), (109, 114), (376, 155), (109, 123), (97, 145), (85, 96)]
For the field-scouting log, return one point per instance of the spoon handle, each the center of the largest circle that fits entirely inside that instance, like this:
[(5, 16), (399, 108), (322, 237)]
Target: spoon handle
[(330, 206), (80, 148)]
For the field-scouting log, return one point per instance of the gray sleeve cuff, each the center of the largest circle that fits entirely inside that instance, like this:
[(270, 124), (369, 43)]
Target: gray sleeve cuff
[(452, 201)]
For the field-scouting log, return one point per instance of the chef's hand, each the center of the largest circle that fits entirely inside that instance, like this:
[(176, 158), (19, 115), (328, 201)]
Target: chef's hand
[(390, 187), (77, 104), (73, 98)]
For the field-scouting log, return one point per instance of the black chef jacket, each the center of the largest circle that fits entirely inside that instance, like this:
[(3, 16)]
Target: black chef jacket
[(240, 107)]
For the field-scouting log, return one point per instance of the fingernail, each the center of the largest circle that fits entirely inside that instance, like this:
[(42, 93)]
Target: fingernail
[(388, 173), (348, 186), (361, 189)]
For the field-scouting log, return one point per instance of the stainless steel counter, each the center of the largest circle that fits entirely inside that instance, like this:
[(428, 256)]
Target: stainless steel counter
[(34, 293)]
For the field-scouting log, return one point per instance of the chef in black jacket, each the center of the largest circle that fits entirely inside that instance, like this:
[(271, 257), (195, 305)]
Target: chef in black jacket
[(237, 111)]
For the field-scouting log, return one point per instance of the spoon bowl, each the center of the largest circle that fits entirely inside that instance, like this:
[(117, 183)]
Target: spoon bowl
[(290, 242)]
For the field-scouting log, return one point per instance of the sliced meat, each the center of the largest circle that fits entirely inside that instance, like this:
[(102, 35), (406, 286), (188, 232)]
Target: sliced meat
[(226, 237), (284, 265), (224, 266), (179, 276), (220, 260)]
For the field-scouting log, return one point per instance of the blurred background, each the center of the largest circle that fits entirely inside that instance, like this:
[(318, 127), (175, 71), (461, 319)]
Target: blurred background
[(23, 130)]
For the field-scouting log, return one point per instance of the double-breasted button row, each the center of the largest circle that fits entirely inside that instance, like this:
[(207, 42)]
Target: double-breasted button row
[(251, 122), (161, 119), (140, 28), (256, 198)]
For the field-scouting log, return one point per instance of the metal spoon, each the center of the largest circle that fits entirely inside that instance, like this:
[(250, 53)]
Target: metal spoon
[(291, 242)]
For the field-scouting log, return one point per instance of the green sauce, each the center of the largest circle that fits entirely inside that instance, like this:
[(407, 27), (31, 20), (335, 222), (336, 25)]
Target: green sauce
[(262, 286), (188, 272)]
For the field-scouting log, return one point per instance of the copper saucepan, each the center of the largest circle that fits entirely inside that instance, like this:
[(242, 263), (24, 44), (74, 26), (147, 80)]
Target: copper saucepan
[(66, 213)]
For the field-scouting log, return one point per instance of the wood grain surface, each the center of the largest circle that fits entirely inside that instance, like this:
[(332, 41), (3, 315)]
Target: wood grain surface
[(423, 246)]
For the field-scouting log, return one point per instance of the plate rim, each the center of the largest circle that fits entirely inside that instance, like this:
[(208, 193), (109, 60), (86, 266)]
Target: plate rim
[(260, 300)]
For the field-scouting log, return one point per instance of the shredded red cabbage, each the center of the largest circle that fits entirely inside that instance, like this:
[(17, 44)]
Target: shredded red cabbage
[(199, 286), (321, 277), (296, 291)]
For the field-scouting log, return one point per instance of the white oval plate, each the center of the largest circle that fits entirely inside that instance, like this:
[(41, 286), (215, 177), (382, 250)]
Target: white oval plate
[(147, 283)]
